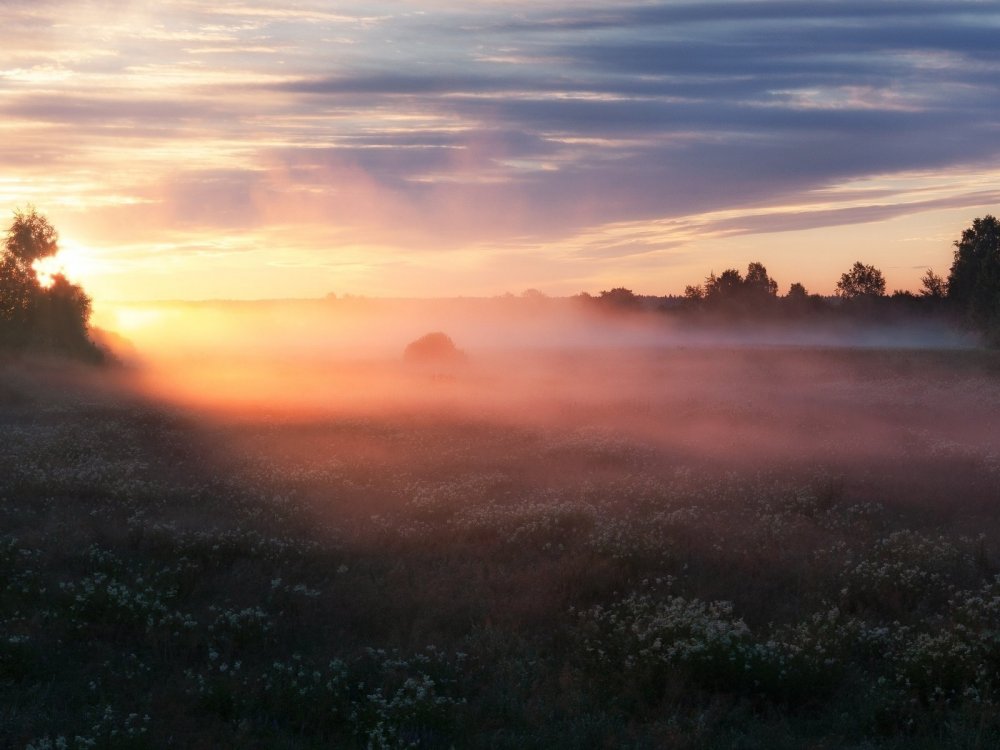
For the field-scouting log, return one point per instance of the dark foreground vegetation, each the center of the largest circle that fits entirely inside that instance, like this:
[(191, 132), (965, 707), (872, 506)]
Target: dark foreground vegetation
[(754, 550)]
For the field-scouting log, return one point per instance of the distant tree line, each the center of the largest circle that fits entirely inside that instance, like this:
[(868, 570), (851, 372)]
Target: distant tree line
[(35, 317), (970, 294)]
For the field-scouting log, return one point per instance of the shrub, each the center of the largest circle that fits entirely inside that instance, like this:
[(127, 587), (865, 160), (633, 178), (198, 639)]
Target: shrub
[(434, 348)]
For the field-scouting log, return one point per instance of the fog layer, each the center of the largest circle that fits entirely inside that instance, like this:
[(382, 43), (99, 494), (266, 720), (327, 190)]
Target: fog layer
[(726, 397)]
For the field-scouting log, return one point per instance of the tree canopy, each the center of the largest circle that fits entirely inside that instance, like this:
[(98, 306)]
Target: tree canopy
[(861, 282), (974, 280), (758, 284), (34, 316), (620, 298), (726, 286), (732, 289), (933, 286), (30, 238), (797, 292)]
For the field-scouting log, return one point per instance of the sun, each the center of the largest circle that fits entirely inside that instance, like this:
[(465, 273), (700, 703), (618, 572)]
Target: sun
[(73, 260)]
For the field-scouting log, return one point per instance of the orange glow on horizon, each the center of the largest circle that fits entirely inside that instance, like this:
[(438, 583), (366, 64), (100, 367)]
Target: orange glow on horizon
[(129, 321), (249, 151)]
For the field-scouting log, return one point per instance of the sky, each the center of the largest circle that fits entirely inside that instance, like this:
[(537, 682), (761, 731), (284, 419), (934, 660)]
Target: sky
[(242, 149)]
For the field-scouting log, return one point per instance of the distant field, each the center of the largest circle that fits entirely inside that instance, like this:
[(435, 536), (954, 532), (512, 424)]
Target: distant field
[(588, 548)]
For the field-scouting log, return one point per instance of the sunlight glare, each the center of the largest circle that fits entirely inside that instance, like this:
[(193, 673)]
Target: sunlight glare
[(131, 320), (72, 260)]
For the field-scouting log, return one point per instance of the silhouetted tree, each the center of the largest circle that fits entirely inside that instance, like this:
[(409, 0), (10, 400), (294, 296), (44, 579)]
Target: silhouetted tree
[(727, 286), (732, 292), (694, 293), (797, 293), (797, 300), (29, 238), (620, 298), (861, 282), (934, 287), (758, 284), (32, 316), (63, 312), (18, 290), (974, 281)]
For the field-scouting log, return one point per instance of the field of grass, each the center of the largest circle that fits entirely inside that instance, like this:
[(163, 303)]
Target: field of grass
[(707, 549)]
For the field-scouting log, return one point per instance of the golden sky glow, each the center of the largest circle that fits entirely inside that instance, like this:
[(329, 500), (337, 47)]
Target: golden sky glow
[(243, 150)]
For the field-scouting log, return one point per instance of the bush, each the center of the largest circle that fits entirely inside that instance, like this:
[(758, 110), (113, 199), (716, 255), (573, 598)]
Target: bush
[(434, 348)]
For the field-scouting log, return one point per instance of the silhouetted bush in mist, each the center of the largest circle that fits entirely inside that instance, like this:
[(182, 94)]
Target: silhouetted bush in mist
[(434, 348)]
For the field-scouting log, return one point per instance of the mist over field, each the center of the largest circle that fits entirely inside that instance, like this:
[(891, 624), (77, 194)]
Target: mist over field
[(898, 401), (782, 397), (312, 353), (310, 522), (382, 327), (878, 398)]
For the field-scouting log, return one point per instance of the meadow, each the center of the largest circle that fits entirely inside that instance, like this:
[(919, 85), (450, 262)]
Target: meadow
[(631, 547)]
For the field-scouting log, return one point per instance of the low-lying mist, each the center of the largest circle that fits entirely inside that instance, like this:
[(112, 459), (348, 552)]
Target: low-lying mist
[(359, 327), (730, 396)]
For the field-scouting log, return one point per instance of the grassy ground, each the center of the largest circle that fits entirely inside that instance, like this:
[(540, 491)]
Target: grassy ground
[(801, 551)]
